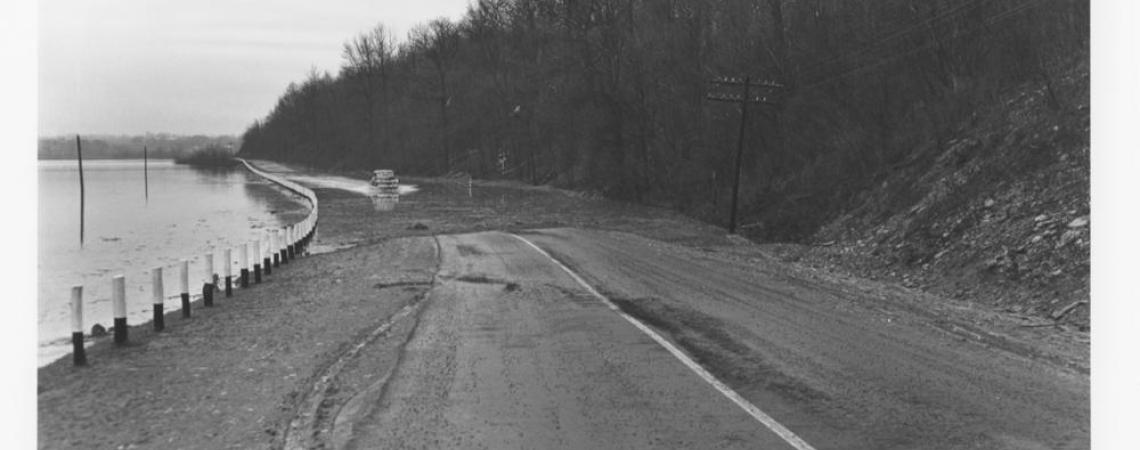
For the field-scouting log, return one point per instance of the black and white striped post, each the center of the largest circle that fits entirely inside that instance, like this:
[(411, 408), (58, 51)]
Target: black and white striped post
[(301, 233), (292, 240), (156, 296), (184, 287), (244, 265), (281, 244), (78, 353), (208, 286), (304, 235), (274, 246), (229, 272), (257, 261), (266, 261), (119, 307)]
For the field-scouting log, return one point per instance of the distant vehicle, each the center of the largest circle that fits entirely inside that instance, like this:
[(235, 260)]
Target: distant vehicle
[(385, 189), (383, 178)]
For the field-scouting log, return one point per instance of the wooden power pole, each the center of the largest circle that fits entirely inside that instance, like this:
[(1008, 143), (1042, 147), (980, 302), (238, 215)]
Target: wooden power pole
[(768, 90)]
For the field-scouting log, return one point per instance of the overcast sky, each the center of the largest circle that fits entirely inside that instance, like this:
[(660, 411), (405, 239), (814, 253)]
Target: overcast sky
[(190, 67)]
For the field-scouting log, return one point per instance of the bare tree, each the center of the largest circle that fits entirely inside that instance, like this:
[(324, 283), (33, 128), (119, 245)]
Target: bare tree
[(367, 58)]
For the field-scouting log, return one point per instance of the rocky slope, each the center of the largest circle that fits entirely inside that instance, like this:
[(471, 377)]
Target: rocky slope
[(997, 216)]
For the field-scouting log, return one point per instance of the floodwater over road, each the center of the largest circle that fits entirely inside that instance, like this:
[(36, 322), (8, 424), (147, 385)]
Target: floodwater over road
[(189, 212)]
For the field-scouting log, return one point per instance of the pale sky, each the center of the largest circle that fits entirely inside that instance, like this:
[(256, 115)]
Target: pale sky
[(190, 67)]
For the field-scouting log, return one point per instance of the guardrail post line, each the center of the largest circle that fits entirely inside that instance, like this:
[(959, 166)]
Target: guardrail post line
[(244, 265), (229, 272), (184, 287), (208, 285), (156, 296), (119, 307), (78, 353)]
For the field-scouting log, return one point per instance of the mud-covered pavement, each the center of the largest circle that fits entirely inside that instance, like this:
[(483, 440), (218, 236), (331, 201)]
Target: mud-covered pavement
[(431, 326)]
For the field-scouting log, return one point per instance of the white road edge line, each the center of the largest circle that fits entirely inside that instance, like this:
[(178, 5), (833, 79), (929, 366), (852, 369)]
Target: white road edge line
[(786, 434)]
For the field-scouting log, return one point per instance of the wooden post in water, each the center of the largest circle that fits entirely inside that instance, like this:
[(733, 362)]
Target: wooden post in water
[(208, 285), (146, 176), (257, 261), (119, 306), (82, 189), (244, 265), (78, 353), (184, 285), (229, 272), (157, 297)]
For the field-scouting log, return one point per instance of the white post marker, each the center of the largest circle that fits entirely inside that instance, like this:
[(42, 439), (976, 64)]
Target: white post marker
[(257, 260), (243, 264), (266, 260), (274, 244), (208, 283), (119, 307), (284, 243), (291, 241), (157, 298), (184, 287), (78, 353), (229, 271)]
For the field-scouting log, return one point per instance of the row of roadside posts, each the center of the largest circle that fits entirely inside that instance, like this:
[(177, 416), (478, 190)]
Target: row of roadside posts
[(281, 246)]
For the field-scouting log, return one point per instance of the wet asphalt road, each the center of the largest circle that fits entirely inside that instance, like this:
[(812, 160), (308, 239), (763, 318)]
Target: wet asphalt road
[(512, 352)]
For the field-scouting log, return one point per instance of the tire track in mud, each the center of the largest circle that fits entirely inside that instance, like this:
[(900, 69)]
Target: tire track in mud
[(310, 425)]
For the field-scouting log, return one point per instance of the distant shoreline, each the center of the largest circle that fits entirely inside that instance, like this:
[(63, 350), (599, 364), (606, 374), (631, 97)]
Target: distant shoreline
[(105, 158)]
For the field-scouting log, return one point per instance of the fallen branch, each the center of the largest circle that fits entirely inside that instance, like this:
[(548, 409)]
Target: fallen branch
[(1058, 315), (1041, 325)]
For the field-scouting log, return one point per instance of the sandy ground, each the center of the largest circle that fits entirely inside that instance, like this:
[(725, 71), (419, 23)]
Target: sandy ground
[(295, 361)]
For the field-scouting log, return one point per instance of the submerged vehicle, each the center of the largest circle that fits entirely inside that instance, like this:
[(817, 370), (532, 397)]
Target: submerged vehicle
[(385, 189)]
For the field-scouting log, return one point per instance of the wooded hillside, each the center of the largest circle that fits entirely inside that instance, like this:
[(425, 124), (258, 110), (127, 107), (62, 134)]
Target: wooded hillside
[(611, 95)]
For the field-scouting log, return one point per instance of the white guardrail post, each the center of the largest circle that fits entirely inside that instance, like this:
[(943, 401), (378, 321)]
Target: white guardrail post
[(157, 299), (208, 286), (243, 263), (266, 260), (257, 261), (229, 272), (119, 307), (78, 353), (184, 287)]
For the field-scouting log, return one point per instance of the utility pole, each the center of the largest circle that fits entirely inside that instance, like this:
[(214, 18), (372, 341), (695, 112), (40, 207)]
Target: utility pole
[(768, 91)]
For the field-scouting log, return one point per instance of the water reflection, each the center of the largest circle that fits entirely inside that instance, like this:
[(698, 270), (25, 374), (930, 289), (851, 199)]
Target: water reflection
[(385, 202), (211, 175), (189, 213)]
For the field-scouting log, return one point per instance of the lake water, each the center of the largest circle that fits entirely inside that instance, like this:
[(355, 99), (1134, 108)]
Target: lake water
[(189, 212)]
